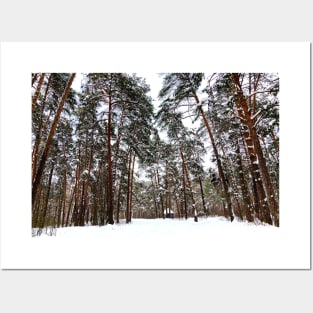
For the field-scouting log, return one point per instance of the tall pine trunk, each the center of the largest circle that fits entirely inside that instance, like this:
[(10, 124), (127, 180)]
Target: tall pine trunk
[(184, 197), (249, 123), (194, 210), (154, 198), (110, 217), (128, 187), (70, 207), (118, 201), (131, 189), (247, 205)]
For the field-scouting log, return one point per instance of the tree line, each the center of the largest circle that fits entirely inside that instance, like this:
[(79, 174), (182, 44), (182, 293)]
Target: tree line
[(88, 147)]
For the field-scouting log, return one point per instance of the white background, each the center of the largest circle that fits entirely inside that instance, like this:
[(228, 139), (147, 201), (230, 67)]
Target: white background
[(115, 291), (289, 248)]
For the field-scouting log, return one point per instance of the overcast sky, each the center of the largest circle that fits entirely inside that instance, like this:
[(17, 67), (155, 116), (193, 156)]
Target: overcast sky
[(77, 81)]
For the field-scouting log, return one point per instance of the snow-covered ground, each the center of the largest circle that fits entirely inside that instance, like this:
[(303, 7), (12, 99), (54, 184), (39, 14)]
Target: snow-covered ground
[(157, 229), (211, 243)]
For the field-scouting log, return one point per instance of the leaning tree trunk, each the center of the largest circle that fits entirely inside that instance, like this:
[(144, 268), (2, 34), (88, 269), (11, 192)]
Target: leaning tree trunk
[(219, 166), (49, 140), (219, 163)]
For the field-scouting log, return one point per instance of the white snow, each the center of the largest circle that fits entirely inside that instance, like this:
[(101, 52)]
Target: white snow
[(211, 243)]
